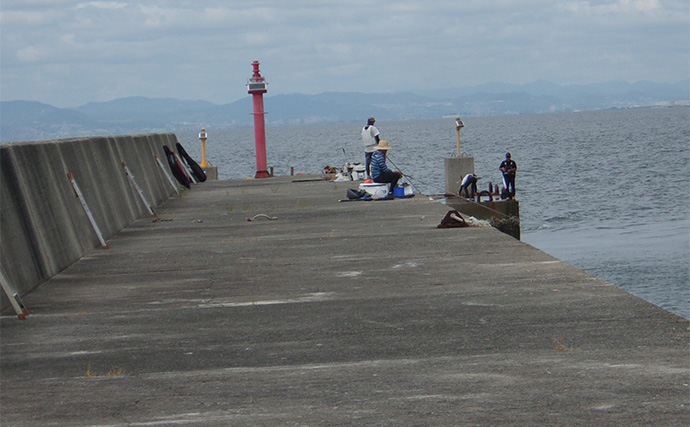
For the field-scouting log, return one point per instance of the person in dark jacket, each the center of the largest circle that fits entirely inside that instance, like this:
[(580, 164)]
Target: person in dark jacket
[(508, 168)]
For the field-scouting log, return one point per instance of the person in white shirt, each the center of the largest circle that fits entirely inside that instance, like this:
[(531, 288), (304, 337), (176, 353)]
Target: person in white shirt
[(370, 139), (469, 184)]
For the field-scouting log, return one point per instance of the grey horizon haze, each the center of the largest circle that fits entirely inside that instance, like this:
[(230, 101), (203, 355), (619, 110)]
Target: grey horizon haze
[(67, 53)]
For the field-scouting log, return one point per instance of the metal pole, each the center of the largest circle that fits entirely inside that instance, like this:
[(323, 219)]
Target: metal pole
[(257, 87), (260, 136), (458, 125), (129, 175), (202, 138), (13, 296), (80, 196), (167, 175), (203, 153), (458, 141)]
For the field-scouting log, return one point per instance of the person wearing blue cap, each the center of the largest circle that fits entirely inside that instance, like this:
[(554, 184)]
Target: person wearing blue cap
[(508, 168)]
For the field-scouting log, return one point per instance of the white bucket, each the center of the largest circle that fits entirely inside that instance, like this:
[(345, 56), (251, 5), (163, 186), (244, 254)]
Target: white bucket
[(408, 190), (358, 172), (375, 190)]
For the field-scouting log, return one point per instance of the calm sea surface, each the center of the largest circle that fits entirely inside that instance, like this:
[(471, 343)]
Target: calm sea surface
[(605, 191)]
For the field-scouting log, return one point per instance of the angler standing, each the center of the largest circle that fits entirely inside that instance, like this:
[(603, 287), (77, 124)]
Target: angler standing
[(370, 138), (508, 167)]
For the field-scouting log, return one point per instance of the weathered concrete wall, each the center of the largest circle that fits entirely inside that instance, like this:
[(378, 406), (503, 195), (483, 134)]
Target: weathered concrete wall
[(43, 226), (455, 169), (503, 214), (485, 209)]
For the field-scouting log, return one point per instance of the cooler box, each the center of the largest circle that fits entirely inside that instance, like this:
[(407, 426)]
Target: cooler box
[(374, 189), (404, 190)]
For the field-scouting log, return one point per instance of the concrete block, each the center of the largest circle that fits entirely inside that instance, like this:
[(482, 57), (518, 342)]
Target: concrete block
[(455, 168), (100, 177), (42, 197), (211, 172)]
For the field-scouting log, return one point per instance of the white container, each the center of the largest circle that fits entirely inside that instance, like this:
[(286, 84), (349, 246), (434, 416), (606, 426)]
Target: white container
[(375, 190), (358, 172)]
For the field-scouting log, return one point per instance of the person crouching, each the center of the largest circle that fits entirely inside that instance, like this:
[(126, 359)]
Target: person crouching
[(469, 185), (379, 171)]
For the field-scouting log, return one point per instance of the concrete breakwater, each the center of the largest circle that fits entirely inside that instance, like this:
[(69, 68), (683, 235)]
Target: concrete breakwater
[(270, 302), (44, 227)]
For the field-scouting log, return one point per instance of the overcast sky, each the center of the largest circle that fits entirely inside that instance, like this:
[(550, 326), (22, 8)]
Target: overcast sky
[(67, 53)]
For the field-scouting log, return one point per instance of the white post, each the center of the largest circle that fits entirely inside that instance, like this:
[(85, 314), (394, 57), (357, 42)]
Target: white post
[(80, 196), (22, 312), (167, 175), (136, 186), (186, 168)]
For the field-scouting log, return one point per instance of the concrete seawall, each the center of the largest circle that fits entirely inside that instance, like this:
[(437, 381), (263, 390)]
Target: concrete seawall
[(43, 227)]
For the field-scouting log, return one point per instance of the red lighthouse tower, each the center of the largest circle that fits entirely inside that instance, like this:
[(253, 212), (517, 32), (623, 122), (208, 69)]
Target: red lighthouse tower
[(257, 87)]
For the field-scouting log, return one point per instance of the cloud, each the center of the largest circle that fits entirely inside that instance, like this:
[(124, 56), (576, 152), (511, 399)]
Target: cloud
[(203, 50), (102, 5), (28, 54)]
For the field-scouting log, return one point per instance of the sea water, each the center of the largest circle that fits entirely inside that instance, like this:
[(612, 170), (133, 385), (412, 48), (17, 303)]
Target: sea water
[(605, 191)]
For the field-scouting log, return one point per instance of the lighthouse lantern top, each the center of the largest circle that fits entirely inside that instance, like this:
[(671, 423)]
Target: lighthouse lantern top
[(256, 84)]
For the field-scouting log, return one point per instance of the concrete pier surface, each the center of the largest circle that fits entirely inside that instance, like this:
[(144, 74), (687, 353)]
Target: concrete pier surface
[(320, 312)]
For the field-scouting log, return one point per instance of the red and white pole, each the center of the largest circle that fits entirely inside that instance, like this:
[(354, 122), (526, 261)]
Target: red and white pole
[(257, 87)]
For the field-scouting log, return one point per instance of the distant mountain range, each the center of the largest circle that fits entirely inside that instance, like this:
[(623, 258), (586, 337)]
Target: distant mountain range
[(30, 120)]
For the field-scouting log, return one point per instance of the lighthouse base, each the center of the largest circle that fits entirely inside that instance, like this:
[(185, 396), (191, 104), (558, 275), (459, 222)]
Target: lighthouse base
[(262, 174)]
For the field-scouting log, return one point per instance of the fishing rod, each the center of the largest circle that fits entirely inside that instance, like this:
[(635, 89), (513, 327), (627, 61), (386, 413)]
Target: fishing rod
[(469, 200), (488, 208), (409, 178), (347, 160)]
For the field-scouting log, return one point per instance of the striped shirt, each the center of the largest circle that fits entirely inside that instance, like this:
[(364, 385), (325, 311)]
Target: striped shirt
[(378, 165)]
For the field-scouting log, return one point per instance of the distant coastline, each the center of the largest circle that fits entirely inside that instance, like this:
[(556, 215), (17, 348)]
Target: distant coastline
[(31, 120)]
